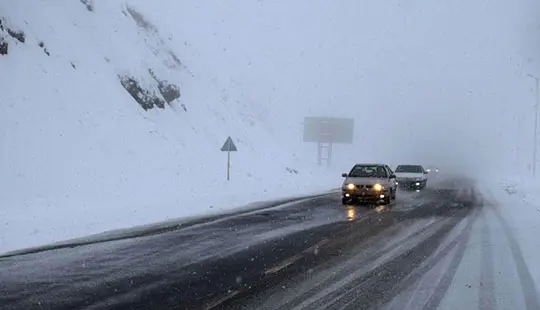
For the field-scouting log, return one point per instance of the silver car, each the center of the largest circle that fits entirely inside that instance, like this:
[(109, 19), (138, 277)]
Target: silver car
[(369, 183)]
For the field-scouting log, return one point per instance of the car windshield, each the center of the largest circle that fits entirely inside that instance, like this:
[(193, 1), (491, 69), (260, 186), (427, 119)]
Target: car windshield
[(410, 169), (367, 171)]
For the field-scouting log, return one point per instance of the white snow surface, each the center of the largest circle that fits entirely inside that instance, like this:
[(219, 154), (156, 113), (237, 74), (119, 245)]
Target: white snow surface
[(518, 198), (79, 156)]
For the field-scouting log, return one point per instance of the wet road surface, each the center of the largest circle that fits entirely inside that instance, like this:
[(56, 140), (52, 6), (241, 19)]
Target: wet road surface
[(310, 254)]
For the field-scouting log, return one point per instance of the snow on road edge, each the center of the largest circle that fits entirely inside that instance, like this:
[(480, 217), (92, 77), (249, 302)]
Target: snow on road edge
[(518, 200)]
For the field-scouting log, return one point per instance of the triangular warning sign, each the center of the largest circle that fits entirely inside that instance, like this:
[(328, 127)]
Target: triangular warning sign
[(229, 146)]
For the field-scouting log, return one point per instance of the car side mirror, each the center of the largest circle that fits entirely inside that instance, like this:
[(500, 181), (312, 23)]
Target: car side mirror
[(392, 176), (344, 175), (426, 172)]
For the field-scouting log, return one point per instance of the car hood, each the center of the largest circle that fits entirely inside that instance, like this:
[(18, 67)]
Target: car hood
[(400, 175), (363, 181)]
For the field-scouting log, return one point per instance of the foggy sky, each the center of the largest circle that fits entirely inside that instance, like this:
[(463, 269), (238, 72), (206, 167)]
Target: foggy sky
[(425, 80)]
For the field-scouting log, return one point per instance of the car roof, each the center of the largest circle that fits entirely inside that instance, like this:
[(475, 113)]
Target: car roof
[(370, 164)]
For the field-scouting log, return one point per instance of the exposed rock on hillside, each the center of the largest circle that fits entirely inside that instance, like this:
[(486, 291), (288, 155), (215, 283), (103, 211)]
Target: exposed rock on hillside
[(146, 99)]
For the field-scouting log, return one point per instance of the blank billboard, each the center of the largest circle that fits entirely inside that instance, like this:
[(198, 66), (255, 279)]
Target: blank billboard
[(328, 129)]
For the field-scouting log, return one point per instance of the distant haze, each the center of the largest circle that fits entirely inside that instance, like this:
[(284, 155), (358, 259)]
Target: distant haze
[(437, 81)]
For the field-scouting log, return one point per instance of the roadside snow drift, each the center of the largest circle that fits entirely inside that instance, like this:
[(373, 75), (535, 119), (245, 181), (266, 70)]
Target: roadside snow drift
[(104, 125)]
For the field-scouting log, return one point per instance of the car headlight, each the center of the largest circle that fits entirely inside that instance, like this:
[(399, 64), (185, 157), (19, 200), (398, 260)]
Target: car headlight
[(377, 187), (350, 186)]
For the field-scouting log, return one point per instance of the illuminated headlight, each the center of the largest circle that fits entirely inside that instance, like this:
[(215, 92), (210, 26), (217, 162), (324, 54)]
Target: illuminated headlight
[(350, 186), (377, 187), (417, 183)]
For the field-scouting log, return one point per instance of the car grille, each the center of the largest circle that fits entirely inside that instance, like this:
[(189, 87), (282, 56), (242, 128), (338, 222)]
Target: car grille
[(407, 180), (364, 186)]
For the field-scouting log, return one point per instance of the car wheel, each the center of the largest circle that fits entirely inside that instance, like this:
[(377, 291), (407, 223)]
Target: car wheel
[(347, 200), (388, 198)]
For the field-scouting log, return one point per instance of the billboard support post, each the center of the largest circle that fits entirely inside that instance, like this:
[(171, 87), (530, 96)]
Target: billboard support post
[(319, 154), (326, 131)]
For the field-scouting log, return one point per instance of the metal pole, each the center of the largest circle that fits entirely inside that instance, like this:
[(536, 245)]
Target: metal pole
[(535, 128), (329, 163), (535, 142), (228, 165), (319, 153)]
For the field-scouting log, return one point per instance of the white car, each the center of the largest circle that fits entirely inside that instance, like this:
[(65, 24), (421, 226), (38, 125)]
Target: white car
[(411, 176), (369, 183)]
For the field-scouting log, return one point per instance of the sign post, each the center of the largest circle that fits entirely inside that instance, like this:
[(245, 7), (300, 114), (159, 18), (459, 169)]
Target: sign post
[(229, 147)]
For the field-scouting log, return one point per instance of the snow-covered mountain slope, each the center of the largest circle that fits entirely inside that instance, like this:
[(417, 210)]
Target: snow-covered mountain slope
[(104, 125)]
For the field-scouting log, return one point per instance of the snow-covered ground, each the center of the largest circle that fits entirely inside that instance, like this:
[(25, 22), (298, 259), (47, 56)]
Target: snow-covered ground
[(79, 155), (494, 261), (518, 200), (489, 260)]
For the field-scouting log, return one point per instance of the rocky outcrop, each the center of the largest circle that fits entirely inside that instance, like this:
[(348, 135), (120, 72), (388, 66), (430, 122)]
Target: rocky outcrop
[(42, 45), (170, 92), (14, 33), (145, 98), (3, 43), (3, 46), (89, 5), (291, 170), (17, 34)]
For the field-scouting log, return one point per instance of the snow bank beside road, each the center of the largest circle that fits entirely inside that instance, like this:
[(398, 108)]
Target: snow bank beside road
[(42, 224), (518, 201)]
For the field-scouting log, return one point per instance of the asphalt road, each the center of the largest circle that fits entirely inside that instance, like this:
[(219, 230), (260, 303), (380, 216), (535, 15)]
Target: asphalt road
[(310, 254)]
